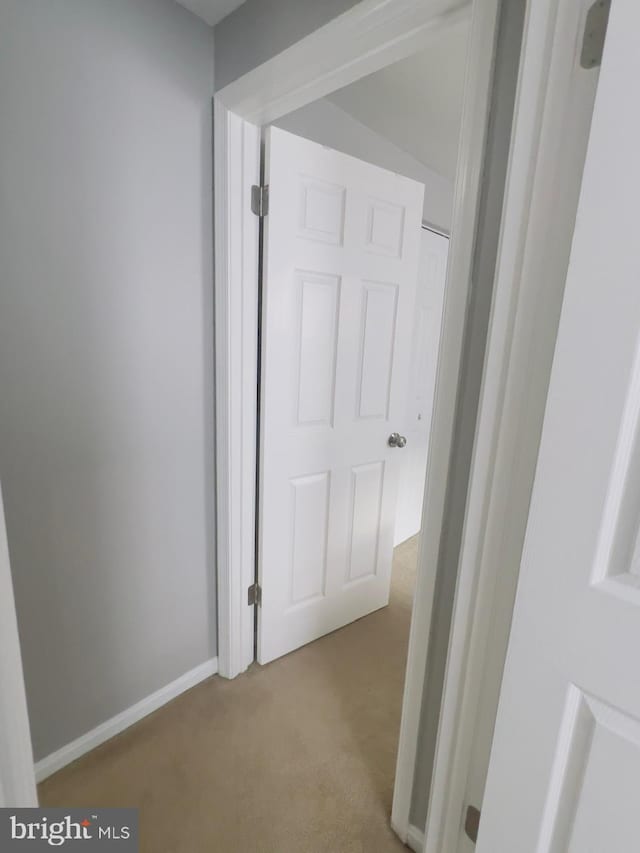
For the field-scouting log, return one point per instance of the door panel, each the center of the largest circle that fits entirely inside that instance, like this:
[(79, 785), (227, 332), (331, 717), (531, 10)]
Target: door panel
[(379, 303), (317, 343), (564, 773), (341, 248), (310, 522), (367, 483)]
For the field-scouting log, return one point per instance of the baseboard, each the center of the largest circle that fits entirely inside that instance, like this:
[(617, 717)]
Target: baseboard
[(66, 754), (415, 839)]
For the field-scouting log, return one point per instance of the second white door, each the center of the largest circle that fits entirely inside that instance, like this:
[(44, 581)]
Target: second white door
[(434, 249), (341, 250)]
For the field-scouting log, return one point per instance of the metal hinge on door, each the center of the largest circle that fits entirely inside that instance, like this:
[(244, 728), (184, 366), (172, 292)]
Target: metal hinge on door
[(472, 823), (595, 30), (254, 595), (260, 200)]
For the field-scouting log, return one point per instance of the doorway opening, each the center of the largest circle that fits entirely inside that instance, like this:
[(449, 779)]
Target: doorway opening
[(308, 490)]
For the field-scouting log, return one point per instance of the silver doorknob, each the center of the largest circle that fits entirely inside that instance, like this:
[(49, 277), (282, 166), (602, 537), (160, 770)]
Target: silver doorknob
[(397, 440)]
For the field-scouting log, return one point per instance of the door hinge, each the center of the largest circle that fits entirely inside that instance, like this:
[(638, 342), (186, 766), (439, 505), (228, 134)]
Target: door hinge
[(254, 594), (260, 200), (595, 30), (472, 823)]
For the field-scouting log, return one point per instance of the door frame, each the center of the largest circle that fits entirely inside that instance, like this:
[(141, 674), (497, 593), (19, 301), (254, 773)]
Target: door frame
[(552, 117), (371, 35)]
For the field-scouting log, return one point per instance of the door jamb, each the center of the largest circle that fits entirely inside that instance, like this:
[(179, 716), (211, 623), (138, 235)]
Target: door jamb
[(236, 169), (550, 132), (475, 117), (371, 35)]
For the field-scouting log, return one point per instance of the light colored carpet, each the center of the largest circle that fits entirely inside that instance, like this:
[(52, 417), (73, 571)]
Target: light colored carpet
[(294, 757)]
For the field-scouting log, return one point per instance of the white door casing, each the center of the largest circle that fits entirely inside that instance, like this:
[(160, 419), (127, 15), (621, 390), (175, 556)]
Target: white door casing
[(432, 273), (341, 248), (565, 762)]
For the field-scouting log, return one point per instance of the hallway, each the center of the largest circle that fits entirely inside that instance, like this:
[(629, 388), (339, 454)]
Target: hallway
[(295, 757)]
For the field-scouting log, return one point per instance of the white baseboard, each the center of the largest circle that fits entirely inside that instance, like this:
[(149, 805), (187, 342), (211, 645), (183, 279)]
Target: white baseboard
[(85, 743), (415, 839)]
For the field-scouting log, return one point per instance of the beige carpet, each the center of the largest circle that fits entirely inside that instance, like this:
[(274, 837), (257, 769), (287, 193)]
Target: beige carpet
[(294, 757)]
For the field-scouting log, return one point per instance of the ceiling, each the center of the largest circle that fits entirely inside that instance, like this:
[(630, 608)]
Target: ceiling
[(211, 11), (417, 102)]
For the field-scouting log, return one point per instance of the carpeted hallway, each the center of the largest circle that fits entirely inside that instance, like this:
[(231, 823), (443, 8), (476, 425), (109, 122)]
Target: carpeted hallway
[(294, 757)]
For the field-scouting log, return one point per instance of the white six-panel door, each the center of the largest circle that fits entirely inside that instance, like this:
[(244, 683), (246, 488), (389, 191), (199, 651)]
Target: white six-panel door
[(341, 247), (564, 774), (434, 249)]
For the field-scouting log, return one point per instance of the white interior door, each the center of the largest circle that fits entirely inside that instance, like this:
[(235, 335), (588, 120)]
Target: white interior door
[(432, 274), (341, 248), (564, 773)]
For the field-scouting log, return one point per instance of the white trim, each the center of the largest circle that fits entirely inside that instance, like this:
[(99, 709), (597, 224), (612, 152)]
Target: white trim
[(464, 223), (17, 781), (415, 839), (367, 37), (237, 167), (551, 124), (66, 754)]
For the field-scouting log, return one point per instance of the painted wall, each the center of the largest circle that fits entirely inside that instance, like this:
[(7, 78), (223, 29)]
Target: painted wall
[(490, 213), (324, 122), (106, 355), (259, 29)]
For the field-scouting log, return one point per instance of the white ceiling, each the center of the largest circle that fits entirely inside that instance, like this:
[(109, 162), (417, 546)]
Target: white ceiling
[(211, 11), (417, 102)]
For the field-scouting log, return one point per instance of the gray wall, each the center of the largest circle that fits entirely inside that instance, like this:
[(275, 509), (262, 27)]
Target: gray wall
[(330, 125), (106, 407), (490, 212), (259, 29)]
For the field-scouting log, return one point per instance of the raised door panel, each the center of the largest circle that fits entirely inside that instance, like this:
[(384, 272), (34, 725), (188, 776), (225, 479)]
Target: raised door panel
[(377, 347), (384, 228), (316, 349), (606, 814), (309, 532), (618, 556), (367, 483), (322, 207), (592, 799)]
